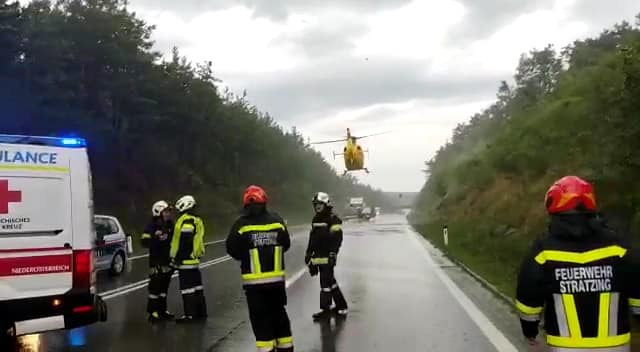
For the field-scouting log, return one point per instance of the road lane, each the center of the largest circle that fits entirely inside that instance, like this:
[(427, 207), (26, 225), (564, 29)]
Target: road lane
[(128, 330), (398, 302)]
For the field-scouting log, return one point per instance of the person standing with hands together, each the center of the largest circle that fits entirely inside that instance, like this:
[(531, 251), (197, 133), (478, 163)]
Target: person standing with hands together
[(157, 238)]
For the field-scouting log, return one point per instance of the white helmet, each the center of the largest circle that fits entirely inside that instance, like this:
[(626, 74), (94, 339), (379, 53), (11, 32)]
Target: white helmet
[(323, 198), (185, 203), (158, 207)]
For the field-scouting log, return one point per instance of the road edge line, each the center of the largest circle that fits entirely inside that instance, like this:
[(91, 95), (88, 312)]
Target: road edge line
[(493, 334)]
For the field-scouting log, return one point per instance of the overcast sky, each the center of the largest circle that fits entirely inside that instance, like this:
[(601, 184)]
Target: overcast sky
[(417, 68)]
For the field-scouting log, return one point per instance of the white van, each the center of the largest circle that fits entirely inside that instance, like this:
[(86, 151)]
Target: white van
[(47, 236)]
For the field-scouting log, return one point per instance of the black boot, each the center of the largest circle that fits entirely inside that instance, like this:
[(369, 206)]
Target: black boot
[(341, 302), (162, 308), (321, 315), (201, 305)]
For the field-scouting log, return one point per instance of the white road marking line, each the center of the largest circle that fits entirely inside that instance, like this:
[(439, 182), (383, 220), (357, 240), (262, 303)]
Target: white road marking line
[(495, 336), (206, 244), (295, 277), (147, 254), (138, 257), (143, 283), (213, 242)]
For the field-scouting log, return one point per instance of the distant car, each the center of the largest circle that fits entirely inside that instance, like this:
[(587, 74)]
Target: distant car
[(111, 249), (366, 213)]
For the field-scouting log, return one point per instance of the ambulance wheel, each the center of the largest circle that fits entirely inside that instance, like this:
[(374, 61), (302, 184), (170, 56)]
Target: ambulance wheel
[(8, 339), (117, 264), (102, 310)]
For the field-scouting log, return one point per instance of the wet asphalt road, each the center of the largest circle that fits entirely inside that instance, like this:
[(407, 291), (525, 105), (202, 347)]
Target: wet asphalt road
[(401, 297)]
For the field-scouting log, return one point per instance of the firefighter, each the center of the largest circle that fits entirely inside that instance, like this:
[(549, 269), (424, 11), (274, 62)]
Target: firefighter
[(157, 238), (325, 240), (187, 247), (581, 274), (259, 239)]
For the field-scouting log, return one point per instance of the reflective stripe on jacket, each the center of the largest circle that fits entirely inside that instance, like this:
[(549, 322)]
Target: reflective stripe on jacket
[(325, 237), (259, 241)]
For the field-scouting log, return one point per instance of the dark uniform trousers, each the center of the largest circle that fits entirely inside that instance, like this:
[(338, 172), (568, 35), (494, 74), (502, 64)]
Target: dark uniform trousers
[(192, 291), (329, 289), (159, 281), (187, 248), (268, 316)]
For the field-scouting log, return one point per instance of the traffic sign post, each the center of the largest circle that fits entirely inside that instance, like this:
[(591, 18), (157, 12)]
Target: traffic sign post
[(445, 234)]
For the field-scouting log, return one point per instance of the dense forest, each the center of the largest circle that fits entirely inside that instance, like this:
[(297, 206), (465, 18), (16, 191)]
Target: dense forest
[(156, 128), (572, 111)]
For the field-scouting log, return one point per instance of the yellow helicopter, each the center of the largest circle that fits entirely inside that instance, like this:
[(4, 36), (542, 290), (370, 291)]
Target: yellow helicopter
[(352, 151)]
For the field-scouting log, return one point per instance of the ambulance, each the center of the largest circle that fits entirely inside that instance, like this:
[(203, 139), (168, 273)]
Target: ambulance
[(47, 236)]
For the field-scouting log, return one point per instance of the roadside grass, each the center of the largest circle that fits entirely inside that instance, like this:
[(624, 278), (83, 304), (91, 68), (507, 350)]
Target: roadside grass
[(496, 258)]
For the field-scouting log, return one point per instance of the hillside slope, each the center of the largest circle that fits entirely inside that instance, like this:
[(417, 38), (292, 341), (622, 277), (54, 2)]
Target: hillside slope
[(573, 112), (156, 128)]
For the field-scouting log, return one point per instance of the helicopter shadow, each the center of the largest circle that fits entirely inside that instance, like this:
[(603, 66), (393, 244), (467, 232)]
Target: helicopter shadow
[(330, 332)]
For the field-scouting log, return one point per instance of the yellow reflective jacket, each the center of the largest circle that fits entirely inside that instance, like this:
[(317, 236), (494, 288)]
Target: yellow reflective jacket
[(187, 243)]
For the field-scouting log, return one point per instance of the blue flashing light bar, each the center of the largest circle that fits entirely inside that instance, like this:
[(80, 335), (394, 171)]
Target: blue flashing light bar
[(72, 141), (67, 142)]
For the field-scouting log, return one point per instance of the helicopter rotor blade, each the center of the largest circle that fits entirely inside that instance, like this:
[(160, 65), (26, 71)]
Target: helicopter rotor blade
[(371, 135), (327, 142)]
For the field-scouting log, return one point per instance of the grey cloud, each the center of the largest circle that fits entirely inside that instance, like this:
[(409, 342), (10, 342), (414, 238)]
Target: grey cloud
[(603, 14), (485, 17), (276, 10), (326, 39), (340, 83)]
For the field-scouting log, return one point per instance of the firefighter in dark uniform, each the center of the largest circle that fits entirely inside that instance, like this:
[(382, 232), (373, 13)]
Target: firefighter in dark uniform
[(187, 247), (582, 275), (157, 238), (325, 240), (259, 239)]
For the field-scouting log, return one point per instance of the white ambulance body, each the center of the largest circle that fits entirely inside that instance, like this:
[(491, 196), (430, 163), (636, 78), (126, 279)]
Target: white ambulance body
[(47, 236)]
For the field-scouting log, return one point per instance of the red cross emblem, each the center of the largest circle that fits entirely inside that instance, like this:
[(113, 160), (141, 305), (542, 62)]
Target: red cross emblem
[(7, 196)]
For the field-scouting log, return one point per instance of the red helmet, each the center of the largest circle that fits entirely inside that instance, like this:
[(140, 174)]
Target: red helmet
[(568, 194), (254, 194)]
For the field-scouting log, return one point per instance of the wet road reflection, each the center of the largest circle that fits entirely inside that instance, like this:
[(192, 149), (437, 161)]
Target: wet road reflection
[(330, 332), (396, 303)]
